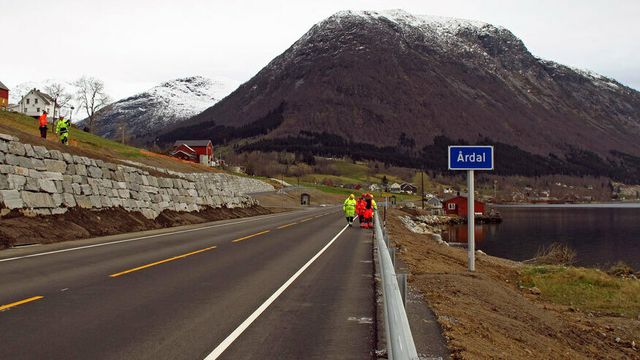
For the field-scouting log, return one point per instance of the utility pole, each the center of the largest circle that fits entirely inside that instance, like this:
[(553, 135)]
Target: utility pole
[(422, 187), (122, 127)]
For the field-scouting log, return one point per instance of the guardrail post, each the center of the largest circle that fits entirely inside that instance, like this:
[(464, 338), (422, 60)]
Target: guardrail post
[(392, 253), (402, 283)]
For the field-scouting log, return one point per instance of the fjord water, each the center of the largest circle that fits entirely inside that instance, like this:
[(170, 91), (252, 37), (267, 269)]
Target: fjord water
[(601, 234)]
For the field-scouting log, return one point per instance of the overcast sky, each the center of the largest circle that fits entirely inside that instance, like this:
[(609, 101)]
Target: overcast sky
[(134, 44)]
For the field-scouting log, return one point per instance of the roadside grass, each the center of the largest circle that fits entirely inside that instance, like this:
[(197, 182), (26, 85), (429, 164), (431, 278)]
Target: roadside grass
[(97, 143), (555, 254), (78, 137), (87, 144), (585, 289)]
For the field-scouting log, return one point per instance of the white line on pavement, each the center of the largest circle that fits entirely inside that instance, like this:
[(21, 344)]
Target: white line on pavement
[(245, 324)]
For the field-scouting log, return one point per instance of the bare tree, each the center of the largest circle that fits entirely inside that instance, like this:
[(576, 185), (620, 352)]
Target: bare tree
[(91, 97), (59, 94)]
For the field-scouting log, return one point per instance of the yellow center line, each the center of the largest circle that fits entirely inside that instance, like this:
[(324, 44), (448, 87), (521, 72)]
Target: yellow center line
[(250, 236), (161, 262), (285, 226), (307, 219), (5, 307)]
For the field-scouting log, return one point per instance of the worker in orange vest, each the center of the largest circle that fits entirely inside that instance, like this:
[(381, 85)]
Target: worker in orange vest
[(360, 209), (369, 211), (43, 124)]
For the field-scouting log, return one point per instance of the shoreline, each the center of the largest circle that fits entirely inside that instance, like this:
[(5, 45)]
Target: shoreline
[(595, 205), (509, 310), (497, 240)]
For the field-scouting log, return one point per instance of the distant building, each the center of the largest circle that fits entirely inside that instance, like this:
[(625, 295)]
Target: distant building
[(408, 188), (395, 188), (434, 203), (374, 187), (458, 206), (35, 102), (197, 151), (4, 97)]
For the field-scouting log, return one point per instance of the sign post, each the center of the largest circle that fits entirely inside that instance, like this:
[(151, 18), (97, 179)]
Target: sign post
[(471, 158)]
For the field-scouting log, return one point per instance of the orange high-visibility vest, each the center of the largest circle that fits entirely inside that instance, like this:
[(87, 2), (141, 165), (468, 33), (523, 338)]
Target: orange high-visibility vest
[(43, 120)]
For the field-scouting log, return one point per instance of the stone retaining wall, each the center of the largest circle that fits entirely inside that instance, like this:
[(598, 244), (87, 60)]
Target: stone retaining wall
[(38, 181)]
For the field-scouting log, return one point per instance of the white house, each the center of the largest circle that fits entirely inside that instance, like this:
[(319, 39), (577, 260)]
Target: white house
[(35, 102), (434, 203), (374, 187), (395, 188)]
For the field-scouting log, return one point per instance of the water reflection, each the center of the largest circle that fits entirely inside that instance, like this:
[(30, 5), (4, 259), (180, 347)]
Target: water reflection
[(599, 235)]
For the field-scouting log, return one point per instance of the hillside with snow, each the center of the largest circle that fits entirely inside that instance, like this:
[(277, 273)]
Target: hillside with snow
[(397, 87), (142, 115)]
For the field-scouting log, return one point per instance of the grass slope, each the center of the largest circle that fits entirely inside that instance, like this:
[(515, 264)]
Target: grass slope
[(87, 144), (586, 289)]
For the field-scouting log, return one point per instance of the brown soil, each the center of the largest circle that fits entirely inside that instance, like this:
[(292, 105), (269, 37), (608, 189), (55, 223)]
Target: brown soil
[(16, 229), (485, 315)]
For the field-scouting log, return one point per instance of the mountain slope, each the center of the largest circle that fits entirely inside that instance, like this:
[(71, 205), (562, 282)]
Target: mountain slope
[(406, 83), (147, 113)]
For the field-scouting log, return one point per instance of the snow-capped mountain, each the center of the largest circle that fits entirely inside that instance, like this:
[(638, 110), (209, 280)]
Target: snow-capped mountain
[(145, 114), (397, 87)]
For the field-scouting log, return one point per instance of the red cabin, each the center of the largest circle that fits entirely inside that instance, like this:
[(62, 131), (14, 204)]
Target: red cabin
[(458, 206), (4, 97), (193, 150)]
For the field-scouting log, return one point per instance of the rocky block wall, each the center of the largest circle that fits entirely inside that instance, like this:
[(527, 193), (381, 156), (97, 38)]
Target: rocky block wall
[(38, 181)]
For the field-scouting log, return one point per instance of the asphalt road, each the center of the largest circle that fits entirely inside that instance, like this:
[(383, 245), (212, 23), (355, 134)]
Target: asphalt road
[(284, 286)]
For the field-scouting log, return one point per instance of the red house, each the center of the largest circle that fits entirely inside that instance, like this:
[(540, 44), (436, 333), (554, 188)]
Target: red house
[(198, 151), (4, 97), (458, 206)]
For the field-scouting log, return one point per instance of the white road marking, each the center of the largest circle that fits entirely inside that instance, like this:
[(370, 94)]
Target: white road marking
[(245, 324), (138, 238), (361, 320)]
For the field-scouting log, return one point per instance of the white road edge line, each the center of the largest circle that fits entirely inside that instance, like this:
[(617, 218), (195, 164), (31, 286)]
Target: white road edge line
[(245, 324), (137, 239)]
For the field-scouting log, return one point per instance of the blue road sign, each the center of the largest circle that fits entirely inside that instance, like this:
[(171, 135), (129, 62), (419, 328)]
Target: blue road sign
[(470, 157)]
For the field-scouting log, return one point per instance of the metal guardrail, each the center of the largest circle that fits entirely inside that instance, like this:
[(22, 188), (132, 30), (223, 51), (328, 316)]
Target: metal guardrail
[(400, 345)]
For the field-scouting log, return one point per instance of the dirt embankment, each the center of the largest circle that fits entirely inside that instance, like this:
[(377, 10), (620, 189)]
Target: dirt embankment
[(486, 315), (17, 229)]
